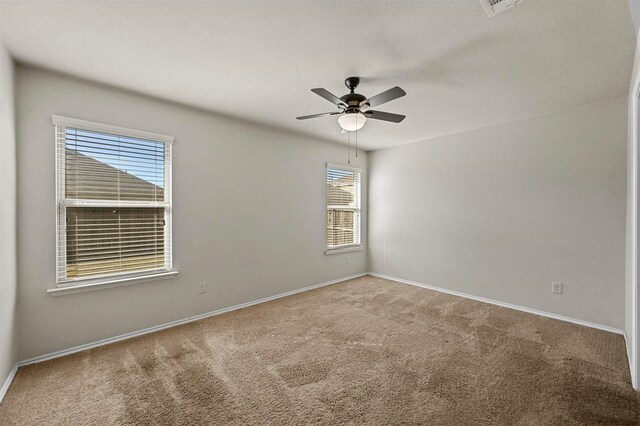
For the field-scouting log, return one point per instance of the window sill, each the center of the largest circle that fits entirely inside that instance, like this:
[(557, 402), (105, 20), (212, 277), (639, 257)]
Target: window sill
[(110, 283), (344, 249)]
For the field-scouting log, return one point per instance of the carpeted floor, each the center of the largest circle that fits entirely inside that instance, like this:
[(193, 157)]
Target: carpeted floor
[(366, 351)]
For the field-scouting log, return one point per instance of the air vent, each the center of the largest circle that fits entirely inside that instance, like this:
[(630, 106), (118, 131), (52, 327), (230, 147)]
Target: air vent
[(493, 7)]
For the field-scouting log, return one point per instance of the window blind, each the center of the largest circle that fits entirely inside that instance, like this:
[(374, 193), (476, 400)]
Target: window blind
[(114, 204), (343, 207)]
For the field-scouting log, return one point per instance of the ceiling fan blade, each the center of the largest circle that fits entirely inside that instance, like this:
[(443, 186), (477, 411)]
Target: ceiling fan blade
[(384, 97), (329, 96), (306, 117), (384, 116)]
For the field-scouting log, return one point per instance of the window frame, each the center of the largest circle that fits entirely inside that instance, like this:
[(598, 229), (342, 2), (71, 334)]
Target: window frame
[(358, 211), (60, 123)]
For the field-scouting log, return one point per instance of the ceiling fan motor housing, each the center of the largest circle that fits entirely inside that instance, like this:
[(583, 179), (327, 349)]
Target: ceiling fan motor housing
[(352, 99)]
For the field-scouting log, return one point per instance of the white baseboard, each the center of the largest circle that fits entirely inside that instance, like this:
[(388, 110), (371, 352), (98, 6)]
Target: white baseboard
[(7, 382), (503, 304), (126, 336)]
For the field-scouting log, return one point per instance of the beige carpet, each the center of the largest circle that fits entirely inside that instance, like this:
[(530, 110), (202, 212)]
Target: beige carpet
[(367, 351)]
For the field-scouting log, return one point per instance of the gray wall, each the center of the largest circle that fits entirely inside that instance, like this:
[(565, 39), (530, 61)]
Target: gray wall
[(8, 336), (503, 211), (249, 214)]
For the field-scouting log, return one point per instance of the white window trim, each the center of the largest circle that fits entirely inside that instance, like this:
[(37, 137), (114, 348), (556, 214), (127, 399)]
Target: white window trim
[(346, 248), (98, 283), (59, 120), (118, 281), (342, 167)]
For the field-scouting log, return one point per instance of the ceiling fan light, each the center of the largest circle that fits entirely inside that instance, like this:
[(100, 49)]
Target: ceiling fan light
[(352, 121)]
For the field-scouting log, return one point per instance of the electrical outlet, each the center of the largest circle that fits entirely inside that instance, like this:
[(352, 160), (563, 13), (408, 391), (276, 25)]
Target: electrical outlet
[(202, 287), (346, 260), (556, 287)]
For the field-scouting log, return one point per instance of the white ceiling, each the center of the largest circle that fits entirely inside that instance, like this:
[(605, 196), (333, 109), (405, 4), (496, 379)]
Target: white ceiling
[(258, 60)]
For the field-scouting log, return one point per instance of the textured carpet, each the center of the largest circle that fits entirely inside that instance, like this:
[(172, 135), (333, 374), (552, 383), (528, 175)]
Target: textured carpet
[(366, 351)]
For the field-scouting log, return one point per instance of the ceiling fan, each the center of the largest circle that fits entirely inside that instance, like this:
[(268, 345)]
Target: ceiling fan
[(354, 108)]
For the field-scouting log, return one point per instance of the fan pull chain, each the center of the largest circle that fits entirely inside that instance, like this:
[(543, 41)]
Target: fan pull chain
[(348, 147), (356, 136)]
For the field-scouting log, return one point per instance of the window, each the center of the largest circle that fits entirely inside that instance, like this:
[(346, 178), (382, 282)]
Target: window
[(113, 192), (343, 207)]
